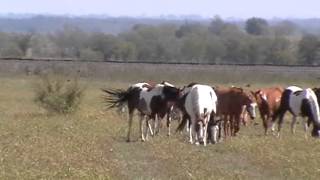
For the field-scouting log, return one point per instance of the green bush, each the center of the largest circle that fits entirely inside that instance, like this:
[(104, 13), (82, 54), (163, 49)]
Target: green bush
[(57, 94)]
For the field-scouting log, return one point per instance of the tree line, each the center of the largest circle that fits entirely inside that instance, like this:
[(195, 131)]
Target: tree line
[(256, 42)]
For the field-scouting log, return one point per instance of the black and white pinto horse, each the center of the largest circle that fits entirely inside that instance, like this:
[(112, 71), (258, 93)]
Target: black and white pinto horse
[(299, 102), (169, 112), (198, 103), (148, 100)]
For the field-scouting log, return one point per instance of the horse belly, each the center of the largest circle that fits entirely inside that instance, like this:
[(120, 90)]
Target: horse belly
[(295, 105)]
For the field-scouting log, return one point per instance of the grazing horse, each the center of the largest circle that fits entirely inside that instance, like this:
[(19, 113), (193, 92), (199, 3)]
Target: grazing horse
[(198, 103), (169, 112), (230, 107), (299, 102), (148, 100), (268, 100)]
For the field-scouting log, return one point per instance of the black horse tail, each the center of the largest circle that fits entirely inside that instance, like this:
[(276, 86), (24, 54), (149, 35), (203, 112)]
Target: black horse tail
[(116, 98), (284, 104)]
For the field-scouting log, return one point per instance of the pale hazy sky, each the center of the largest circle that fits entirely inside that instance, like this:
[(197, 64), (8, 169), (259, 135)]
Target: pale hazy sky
[(207, 8)]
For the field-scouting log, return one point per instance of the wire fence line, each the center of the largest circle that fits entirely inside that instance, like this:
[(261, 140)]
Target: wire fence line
[(141, 70), (150, 62)]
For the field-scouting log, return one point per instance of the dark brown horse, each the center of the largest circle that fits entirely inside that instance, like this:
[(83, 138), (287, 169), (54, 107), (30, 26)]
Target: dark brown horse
[(268, 100), (230, 107)]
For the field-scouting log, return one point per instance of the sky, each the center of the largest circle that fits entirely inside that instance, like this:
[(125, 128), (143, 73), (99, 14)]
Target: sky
[(205, 8)]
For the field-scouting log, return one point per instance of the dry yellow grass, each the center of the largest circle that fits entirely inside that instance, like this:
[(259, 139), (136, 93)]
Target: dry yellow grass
[(90, 144)]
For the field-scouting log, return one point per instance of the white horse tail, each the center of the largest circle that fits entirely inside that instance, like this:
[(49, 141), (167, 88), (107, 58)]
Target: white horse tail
[(315, 106)]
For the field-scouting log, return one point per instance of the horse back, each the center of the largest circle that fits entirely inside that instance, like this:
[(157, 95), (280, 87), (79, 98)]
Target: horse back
[(271, 97), (229, 101)]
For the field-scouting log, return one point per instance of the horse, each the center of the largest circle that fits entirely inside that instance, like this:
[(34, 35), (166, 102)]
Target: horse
[(169, 112), (198, 103), (230, 107), (148, 100), (180, 104), (299, 102), (268, 100)]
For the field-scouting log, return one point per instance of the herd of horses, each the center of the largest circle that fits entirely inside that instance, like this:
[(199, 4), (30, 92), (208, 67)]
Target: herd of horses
[(206, 111)]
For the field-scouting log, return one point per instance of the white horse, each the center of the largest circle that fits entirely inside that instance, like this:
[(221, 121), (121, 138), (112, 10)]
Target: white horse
[(200, 102), (300, 102)]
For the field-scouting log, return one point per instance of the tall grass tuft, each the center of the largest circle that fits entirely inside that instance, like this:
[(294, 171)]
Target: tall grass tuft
[(58, 94)]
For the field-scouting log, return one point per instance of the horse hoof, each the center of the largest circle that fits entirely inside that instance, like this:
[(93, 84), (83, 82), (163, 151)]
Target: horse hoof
[(128, 140), (197, 143)]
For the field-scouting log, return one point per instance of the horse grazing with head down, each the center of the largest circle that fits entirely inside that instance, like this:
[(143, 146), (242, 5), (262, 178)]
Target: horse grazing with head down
[(148, 100), (198, 103), (230, 107), (268, 100), (169, 112), (299, 102)]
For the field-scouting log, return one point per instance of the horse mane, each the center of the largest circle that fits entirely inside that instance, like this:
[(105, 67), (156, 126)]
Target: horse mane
[(192, 84), (238, 89), (148, 86), (166, 83)]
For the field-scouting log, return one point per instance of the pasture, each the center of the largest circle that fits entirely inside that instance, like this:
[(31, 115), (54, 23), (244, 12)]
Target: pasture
[(90, 144)]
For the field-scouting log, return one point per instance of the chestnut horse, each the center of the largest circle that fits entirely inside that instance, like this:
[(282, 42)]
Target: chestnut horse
[(230, 107), (268, 100)]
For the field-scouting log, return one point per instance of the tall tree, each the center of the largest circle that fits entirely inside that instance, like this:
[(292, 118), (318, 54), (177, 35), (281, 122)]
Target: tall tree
[(256, 26), (309, 49)]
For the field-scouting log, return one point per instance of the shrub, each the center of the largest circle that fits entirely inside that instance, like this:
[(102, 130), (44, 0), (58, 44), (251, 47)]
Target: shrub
[(57, 94)]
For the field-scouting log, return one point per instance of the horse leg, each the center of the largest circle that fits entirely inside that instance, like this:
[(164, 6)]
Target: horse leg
[(169, 122), (155, 124), (227, 126), (265, 120), (149, 127), (195, 132), (191, 129), (141, 127), (189, 125), (293, 124), (219, 135), (205, 132), (231, 125), (129, 125), (280, 123), (236, 124), (306, 126)]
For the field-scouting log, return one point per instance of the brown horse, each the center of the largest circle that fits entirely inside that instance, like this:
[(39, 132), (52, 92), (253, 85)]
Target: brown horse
[(268, 100), (230, 107)]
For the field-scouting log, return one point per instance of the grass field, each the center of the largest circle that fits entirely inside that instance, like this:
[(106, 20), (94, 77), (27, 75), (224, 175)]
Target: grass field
[(90, 144)]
